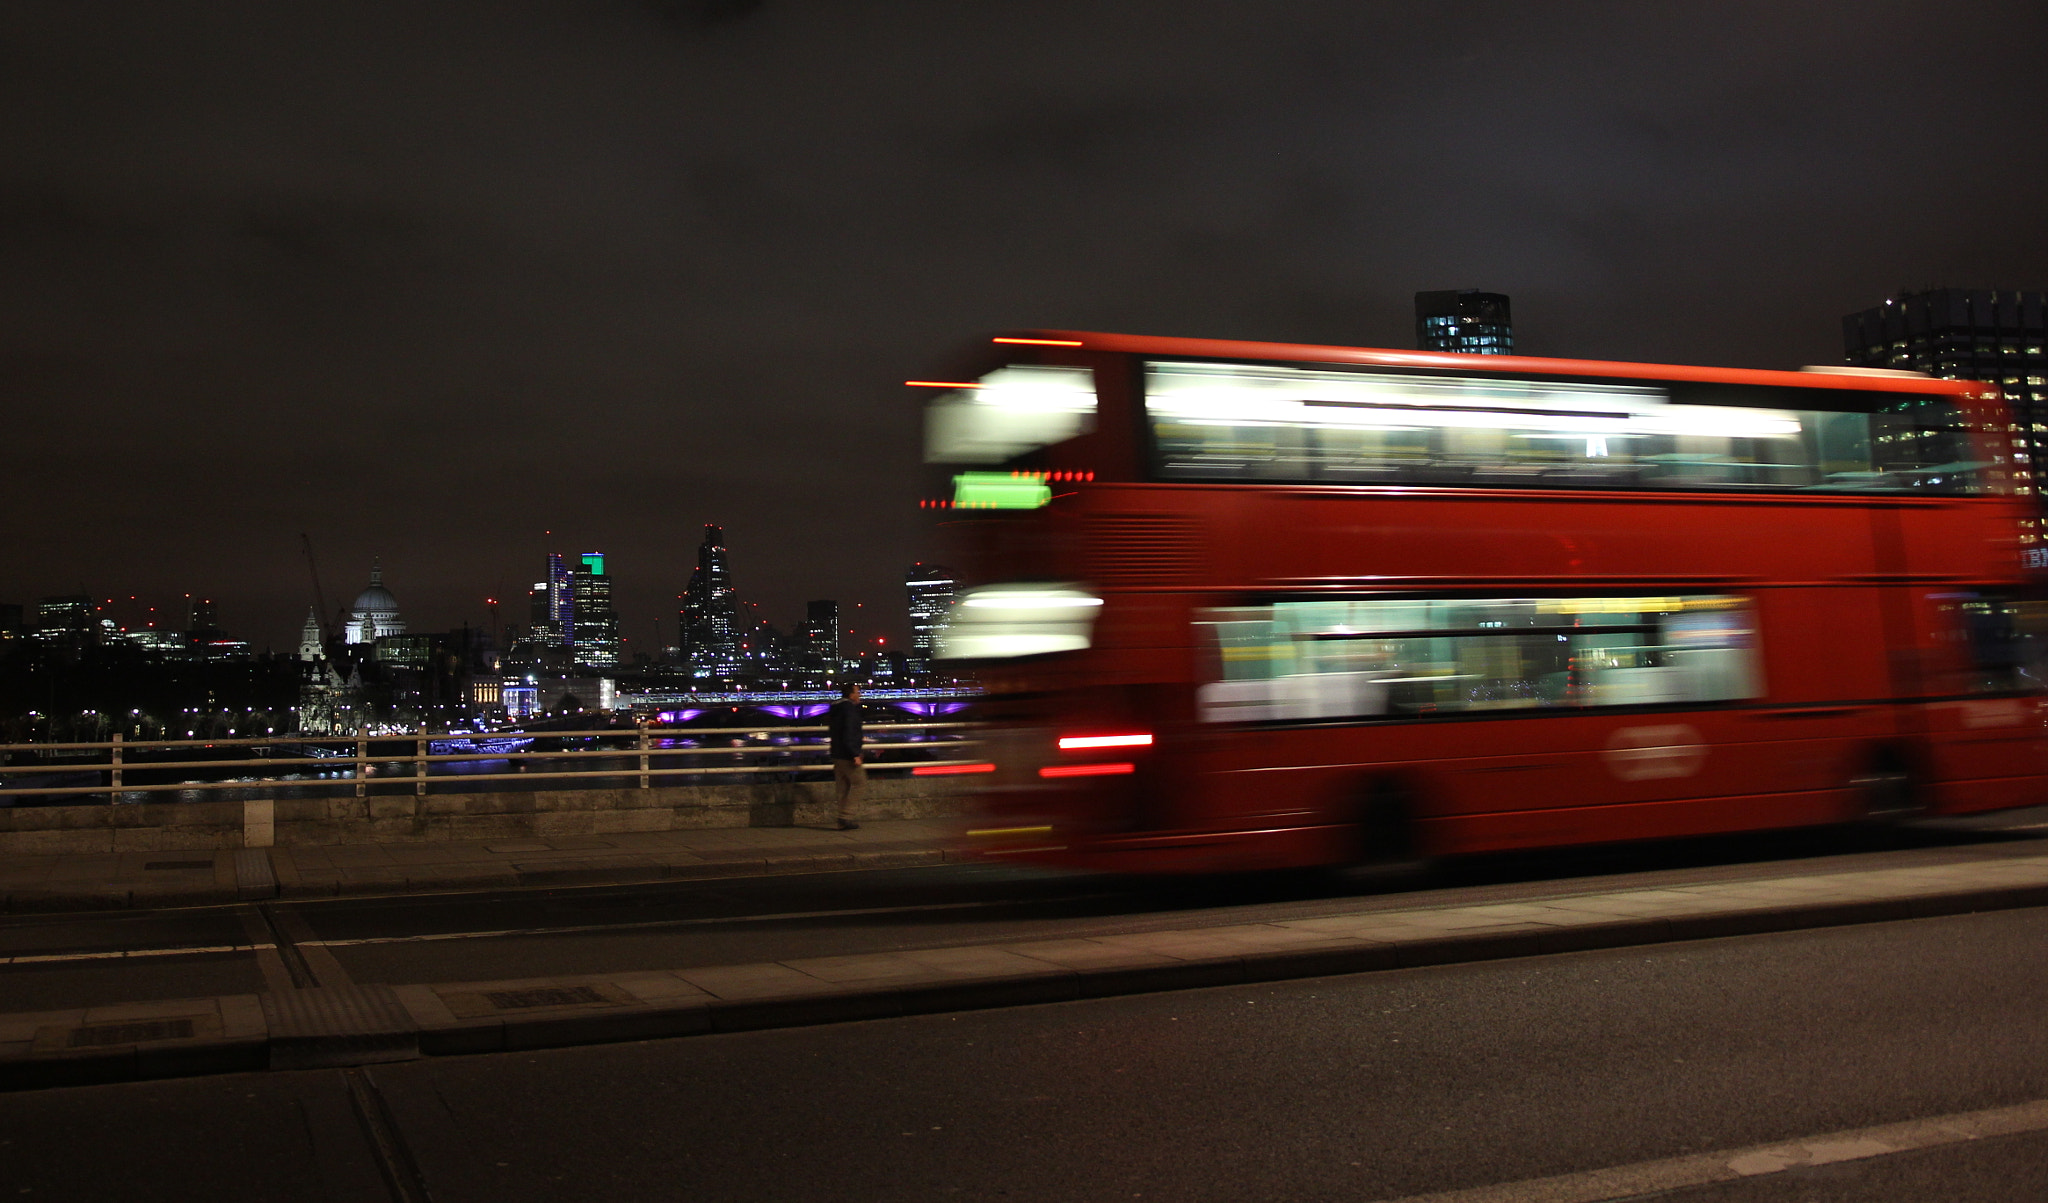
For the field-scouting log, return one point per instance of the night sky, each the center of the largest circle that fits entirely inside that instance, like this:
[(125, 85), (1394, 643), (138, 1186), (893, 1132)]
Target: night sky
[(425, 280)]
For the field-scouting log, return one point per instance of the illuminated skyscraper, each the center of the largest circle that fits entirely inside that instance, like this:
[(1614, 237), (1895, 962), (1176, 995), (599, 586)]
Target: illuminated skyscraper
[(1466, 321), (710, 622), (930, 589), (818, 642), (1998, 337), (595, 625), (561, 601), (543, 629)]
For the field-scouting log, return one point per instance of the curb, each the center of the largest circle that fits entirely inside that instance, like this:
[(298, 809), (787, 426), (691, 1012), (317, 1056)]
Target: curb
[(354, 1025), (256, 879)]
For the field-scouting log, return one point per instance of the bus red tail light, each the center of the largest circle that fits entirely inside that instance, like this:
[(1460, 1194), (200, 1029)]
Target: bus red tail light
[(1088, 770), (950, 770), (1079, 743)]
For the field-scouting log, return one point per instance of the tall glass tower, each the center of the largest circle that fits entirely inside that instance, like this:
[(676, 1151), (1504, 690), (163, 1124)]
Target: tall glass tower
[(596, 643), (561, 602), (710, 619), (818, 645)]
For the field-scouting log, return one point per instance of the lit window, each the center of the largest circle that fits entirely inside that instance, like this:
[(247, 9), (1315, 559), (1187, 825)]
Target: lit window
[(1320, 660)]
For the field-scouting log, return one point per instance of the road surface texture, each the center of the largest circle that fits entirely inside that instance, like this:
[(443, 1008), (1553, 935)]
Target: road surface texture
[(1479, 1077)]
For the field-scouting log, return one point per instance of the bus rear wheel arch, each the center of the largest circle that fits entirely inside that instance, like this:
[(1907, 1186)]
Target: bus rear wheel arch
[(1384, 831), (1885, 791)]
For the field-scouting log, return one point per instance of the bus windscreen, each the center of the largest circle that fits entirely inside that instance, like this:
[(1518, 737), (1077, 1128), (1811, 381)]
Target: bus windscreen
[(1264, 423)]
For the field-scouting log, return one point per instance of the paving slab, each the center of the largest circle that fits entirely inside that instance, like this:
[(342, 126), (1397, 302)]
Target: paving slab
[(109, 881)]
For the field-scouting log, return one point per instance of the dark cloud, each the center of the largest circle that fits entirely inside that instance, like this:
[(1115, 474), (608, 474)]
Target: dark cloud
[(427, 281)]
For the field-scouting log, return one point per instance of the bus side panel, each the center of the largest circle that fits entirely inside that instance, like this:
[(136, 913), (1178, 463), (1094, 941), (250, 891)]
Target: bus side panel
[(1471, 535), (1641, 821), (1534, 764), (1969, 742), (1963, 540), (1823, 645)]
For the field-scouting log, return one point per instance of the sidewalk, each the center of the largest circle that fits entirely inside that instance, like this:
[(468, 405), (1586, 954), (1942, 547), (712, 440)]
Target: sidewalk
[(74, 882), (356, 1025)]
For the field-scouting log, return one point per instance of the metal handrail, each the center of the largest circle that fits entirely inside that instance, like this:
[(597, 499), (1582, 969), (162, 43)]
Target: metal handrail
[(637, 742), (257, 741)]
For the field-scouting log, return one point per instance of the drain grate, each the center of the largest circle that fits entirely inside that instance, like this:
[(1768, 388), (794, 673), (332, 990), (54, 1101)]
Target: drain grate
[(178, 864), (545, 996), (129, 1033)]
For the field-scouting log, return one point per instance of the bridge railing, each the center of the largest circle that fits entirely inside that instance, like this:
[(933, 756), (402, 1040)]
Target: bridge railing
[(646, 755)]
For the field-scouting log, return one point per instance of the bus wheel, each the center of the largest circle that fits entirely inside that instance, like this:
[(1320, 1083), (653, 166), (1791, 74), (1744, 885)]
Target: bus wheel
[(1386, 827), (1884, 792)]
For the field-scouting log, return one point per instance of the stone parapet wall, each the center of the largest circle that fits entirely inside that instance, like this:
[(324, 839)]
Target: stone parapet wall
[(314, 822)]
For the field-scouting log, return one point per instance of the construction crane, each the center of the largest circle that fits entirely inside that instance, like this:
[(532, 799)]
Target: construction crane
[(319, 597)]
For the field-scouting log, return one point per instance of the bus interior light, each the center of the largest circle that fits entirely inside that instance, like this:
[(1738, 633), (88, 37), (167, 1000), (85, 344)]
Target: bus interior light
[(1039, 342), (1030, 601), (1072, 743)]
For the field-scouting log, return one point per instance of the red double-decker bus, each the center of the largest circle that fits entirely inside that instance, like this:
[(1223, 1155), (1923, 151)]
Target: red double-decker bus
[(1251, 605)]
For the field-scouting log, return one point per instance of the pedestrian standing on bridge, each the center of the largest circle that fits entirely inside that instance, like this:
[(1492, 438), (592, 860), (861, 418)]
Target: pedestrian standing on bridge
[(849, 774)]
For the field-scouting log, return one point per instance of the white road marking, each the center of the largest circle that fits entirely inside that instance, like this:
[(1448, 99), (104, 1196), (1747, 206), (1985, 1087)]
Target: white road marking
[(117, 954), (701, 922), (122, 954), (1727, 1165)]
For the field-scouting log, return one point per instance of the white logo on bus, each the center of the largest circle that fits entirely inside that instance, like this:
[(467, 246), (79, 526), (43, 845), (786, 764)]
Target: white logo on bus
[(1651, 753)]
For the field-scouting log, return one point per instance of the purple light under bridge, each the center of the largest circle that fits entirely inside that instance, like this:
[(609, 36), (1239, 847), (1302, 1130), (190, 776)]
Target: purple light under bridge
[(811, 710)]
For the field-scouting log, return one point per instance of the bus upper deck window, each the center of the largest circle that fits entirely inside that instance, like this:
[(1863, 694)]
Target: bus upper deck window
[(1010, 412)]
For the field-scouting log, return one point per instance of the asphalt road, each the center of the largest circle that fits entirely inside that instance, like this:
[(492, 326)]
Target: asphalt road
[(1375, 1086), (113, 957)]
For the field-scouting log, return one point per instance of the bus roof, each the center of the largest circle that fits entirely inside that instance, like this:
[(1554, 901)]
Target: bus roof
[(1210, 348)]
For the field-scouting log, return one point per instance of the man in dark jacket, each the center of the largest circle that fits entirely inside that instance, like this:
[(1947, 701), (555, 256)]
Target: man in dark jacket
[(849, 774)]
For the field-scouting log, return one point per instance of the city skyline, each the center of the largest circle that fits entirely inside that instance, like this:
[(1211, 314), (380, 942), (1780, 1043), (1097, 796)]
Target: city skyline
[(446, 291), (181, 612)]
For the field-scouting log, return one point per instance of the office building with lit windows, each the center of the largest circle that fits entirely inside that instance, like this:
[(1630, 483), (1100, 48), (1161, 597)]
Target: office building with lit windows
[(594, 625), (1465, 321), (710, 617), (818, 641), (930, 590), (1994, 335)]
